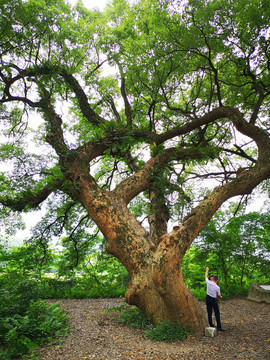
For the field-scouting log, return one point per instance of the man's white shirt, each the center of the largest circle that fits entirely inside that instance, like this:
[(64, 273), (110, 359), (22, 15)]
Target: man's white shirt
[(213, 289)]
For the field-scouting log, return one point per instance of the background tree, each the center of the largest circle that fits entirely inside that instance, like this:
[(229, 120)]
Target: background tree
[(185, 96), (243, 243), (235, 248)]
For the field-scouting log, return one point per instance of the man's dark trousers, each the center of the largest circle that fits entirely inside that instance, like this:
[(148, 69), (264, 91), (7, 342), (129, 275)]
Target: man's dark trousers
[(211, 303)]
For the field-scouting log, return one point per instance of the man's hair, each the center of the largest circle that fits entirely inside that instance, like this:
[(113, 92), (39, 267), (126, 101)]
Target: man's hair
[(215, 277)]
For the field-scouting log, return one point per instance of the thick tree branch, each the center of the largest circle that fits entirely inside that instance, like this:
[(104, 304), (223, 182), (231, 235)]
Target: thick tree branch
[(142, 180), (55, 135), (110, 100), (128, 110), (85, 108), (27, 200), (198, 218), (216, 114), (260, 136), (259, 89)]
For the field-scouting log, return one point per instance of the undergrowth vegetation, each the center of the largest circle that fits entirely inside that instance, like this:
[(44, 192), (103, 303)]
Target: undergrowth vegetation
[(163, 331), (26, 322), (78, 288)]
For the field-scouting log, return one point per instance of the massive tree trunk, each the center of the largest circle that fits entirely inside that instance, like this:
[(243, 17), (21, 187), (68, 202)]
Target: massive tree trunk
[(49, 79), (153, 259), (159, 290), (157, 285)]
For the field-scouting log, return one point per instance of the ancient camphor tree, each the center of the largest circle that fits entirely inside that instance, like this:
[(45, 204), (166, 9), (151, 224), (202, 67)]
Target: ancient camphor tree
[(120, 111)]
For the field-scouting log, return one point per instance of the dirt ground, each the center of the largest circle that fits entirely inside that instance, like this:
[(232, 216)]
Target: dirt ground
[(96, 334)]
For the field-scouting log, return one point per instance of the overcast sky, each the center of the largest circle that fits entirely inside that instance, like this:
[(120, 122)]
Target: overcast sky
[(100, 4)]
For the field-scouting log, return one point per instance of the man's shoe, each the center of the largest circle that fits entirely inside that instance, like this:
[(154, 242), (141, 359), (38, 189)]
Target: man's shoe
[(220, 329)]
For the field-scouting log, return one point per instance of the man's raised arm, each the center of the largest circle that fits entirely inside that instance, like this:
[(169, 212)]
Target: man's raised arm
[(206, 272)]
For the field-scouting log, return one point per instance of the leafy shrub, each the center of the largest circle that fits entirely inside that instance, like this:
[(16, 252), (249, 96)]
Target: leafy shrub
[(56, 288), (48, 321), (26, 322), (133, 317), (15, 299), (235, 291), (78, 288), (200, 292), (165, 331)]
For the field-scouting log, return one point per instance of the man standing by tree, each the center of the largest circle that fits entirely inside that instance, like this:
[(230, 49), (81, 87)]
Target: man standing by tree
[(212, 294), (166, 120)]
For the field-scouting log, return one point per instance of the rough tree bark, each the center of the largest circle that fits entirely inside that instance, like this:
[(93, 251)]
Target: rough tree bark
[(157, 285), (153, 259), (186, 73)]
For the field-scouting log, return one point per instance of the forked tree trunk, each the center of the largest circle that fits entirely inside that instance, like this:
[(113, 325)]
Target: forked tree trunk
[(157, 286)]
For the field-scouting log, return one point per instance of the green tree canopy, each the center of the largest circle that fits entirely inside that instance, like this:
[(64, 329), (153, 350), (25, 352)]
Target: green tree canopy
[(241, 246), (110, 117)]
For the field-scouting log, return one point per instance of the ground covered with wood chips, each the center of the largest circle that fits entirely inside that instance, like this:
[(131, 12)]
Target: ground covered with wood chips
[(96, 334)]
